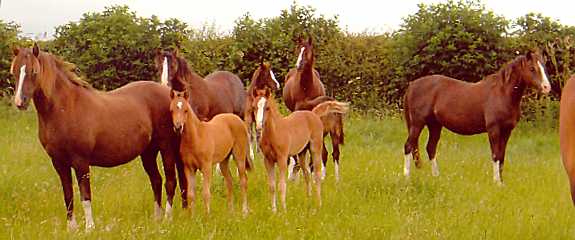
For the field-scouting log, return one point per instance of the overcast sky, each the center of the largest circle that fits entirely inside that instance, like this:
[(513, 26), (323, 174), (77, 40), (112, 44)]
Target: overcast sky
[(37, 16)]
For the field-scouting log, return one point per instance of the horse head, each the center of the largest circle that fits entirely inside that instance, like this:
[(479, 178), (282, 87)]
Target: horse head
[(262, 78), (262, 106), (305, 53), (167, 65), (532, 72), (179, 109), (25, 68)]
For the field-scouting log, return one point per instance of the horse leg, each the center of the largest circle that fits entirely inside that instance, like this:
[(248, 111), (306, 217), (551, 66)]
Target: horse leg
[(241, 161), (305, 170), (271, 182), (503, 138), (169, 159), (293, 168), (496, 141), (206, 194), (335, 155), (282, 164), (190, 174), (411, 147), (224, 166), (434, 135), (151, 167), (65, 174), (323, 161), (315, 149), (82, 170)]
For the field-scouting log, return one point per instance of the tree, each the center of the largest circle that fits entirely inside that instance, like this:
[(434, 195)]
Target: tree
[(8, 39)]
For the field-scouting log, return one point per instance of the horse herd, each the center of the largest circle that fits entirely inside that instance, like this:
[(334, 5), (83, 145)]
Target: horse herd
[(195, 122)]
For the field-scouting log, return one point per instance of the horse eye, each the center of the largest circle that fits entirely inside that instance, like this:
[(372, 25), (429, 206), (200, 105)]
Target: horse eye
[(532, 69)]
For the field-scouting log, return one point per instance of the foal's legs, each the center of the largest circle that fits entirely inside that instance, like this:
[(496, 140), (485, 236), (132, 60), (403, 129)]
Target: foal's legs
[(323, 161), (82, 169), (305, 170), (282, 164), (65, 173), (190, 174), (206, 194), (434, 134), (411, 146), (315, 149), (271, 182), (151, 167), (335, 155), (224, 166)]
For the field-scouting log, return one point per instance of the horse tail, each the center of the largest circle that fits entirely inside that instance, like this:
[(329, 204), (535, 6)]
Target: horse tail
[(406, 110), (339, 135), (328, 107)]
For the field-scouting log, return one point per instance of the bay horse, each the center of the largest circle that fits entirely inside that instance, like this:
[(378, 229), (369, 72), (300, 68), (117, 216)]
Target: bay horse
[(491, 105), (304, 90), (204, 144), (567, 131), (81, 127), (263, 80), (295, 134), (219, 92)]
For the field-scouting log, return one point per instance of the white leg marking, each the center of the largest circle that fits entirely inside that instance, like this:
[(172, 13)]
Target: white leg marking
[(88, 214), (545, 85), (336, 167), (496, 172), (299, 57), (275, 80), (18, 95), (323, 171), (291, 166), (218, 170), (157, 210), (168, 210), (260, 113), (407, 164), (164, 77), (252, 155), (434, 167), (72, 224)]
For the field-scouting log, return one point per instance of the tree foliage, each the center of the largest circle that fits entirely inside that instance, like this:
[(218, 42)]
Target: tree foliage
[(8, 39)]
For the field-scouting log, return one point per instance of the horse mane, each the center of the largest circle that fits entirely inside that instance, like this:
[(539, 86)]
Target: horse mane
[(184, 75), (68, 70), (504, 73)]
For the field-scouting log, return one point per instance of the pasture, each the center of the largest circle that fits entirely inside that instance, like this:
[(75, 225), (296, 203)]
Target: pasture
[(373, 199)]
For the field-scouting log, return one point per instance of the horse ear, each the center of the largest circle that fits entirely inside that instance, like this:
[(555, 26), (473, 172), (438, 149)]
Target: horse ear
[(172, 94), (15, 50), (36, 50)]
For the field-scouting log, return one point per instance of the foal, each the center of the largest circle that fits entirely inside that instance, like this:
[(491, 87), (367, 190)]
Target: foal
[(204, 144), (283, 137)]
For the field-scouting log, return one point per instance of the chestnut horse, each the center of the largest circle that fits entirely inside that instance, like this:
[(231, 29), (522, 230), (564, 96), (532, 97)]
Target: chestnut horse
[(204, 144), (81, 127), (263, 79), (295, 134), (219, 92), (491, 105), (567, 131), (304, 90)]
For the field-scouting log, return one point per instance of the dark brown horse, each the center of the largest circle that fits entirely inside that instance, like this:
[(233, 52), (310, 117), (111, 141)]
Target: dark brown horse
[(81, 127), (263, 80), (567, 131), (304, 90), (490, 105), (219, 92)]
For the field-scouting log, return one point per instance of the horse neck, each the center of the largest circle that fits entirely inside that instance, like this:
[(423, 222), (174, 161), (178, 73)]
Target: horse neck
[(512, 88), (271, 121), (306, 77), (58, 97), (194, 81), (192, 126)]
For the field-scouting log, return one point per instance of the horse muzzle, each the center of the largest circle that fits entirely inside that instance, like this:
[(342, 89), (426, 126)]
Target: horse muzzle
[(21, 102), (545, 88), (178, 128)]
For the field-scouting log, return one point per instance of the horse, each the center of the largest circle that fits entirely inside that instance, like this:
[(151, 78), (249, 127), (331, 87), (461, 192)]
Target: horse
[(80, 127), (282, 137), (263, 79), (304, 90), (204, 144), (219, 92), (567, 131), (491, 105)]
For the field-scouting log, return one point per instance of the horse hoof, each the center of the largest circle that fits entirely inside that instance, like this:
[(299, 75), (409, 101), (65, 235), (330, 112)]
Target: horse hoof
[(72, 225), (90, 227)]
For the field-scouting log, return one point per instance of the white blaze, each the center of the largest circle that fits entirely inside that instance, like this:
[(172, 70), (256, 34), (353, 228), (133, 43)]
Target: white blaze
[(407, 165), (18, 96), (275, 80), (164, 77), (300, 57), (88, 214), (545, 85), (12, 67), (260, 113)]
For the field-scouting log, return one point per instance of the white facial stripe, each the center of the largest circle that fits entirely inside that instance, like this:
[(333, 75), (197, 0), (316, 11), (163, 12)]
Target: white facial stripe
[(274, 78), (300, 57), (260, 112), (164, 77), (179, 105), (12, 67), (545, 81), (18, 95)]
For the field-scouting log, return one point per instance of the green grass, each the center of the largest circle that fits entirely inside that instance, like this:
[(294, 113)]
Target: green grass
[(373, 200)]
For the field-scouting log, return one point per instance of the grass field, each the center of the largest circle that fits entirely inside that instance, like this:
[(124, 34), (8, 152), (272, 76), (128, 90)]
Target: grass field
[(373, 200)]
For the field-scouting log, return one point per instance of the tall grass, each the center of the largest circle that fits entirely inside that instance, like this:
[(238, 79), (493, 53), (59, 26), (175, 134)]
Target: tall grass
[(372, 201)]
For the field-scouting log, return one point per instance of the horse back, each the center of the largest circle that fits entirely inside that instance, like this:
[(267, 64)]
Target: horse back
[(227, 93)]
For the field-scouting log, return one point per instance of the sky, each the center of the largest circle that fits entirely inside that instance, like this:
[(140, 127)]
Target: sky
[(39, 16)]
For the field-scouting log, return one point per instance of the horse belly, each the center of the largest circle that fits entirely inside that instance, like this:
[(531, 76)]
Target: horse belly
[(120, 147)]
